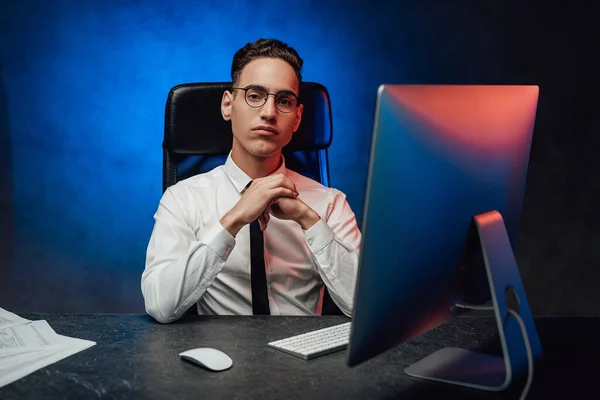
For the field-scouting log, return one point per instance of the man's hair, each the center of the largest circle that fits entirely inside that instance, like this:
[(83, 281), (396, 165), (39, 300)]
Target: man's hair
[(269, 48)]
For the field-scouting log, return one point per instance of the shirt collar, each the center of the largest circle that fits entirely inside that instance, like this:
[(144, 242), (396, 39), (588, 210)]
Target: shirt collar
[(240, 179)]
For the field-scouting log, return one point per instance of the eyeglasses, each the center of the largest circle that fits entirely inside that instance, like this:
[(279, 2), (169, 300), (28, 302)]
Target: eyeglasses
[(256, 97)]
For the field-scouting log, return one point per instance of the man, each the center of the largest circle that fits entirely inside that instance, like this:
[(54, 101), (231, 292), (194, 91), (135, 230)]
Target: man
[(200, 248)]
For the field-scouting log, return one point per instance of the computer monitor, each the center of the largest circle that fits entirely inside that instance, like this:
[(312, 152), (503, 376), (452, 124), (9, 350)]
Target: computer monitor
[(444, 194)]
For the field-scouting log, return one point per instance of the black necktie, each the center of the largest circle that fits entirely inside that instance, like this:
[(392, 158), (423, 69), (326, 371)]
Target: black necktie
[(258, 274)]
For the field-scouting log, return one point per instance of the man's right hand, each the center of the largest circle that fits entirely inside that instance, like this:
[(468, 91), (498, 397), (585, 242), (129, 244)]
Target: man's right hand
[(256, 199)]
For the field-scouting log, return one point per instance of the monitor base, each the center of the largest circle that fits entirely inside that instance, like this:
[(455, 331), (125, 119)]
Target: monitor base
[(516, 327), (461, 367)]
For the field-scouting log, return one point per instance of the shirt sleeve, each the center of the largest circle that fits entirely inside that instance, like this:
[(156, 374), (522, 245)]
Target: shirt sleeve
[(180, 264), (335, 244)]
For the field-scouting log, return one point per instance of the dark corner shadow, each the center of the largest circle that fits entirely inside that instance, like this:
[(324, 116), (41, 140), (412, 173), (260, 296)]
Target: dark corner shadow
[(419, 390), (6, 200)]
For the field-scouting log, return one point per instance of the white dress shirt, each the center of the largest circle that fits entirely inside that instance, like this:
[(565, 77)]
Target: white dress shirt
[(192, 259)]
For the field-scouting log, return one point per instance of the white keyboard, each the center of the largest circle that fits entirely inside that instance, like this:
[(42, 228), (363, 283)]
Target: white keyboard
[(315, 343)]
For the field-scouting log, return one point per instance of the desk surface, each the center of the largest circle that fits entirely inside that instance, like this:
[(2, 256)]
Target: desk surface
[(136, 357)]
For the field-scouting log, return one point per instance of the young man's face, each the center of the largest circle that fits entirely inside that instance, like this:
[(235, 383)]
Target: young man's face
[(263, 130)]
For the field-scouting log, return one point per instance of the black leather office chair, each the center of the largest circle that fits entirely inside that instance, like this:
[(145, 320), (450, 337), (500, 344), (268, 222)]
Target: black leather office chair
[(198, 139)]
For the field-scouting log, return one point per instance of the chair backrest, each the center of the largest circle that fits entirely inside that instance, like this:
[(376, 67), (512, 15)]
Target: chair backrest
[(198, 139)]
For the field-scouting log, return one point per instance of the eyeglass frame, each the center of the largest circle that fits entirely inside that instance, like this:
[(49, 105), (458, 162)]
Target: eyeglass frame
[(263, 89)]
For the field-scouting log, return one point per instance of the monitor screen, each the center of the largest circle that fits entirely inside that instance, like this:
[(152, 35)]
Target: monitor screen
[(440, 155)]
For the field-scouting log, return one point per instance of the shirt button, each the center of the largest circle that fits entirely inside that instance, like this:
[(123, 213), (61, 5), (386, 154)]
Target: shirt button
[(310, 241), (228, 249)]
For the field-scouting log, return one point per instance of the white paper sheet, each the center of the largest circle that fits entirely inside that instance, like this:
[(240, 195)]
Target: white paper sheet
[(9, 319), (26, 346), (26, 366), (31, 336)]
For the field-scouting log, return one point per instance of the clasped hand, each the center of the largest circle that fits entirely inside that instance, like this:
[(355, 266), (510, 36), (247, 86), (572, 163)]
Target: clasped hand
[(272, 195)]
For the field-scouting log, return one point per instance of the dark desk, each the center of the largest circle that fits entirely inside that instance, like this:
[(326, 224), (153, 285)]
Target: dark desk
[(136, 357)]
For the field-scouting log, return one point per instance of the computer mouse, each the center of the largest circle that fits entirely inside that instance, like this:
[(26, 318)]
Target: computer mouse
[(209, 358)]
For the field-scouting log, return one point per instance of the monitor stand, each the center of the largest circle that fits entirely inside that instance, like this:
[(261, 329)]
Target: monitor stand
[(482, 371)]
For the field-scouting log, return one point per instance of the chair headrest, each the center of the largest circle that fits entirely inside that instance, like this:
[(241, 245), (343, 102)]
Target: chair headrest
[(194, 124)]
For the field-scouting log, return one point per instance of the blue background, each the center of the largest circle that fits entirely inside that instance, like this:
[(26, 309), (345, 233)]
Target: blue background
[(83, 86)]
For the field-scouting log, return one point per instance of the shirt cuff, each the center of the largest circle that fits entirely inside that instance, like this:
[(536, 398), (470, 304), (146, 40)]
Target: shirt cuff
[(318, 236), (220, 241)]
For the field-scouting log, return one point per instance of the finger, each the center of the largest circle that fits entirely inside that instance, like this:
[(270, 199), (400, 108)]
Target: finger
[(280, 180), (262, 223), (263, 219), (275, 182), (266, 217), (281, 192)]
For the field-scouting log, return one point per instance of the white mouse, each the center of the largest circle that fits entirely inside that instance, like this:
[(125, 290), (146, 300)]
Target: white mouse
[(212, 359)]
